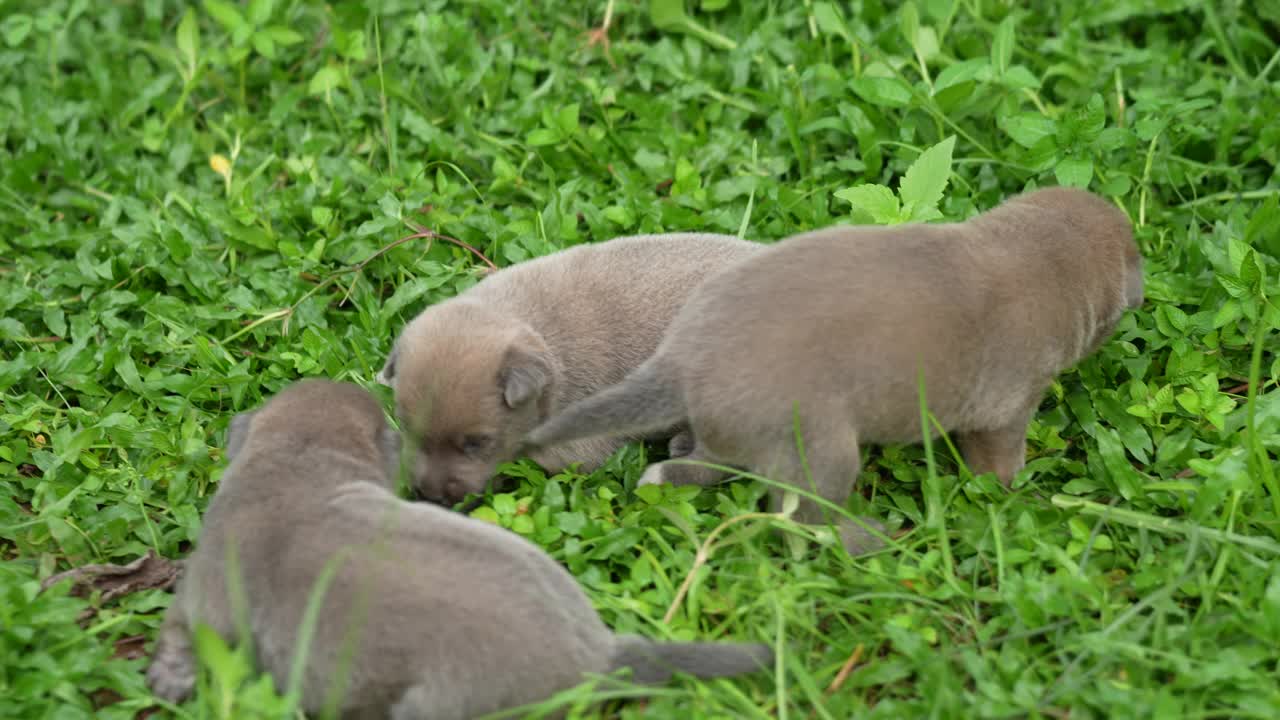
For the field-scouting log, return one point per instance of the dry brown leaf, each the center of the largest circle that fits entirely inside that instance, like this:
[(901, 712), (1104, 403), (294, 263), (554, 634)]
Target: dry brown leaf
[(147, 572)]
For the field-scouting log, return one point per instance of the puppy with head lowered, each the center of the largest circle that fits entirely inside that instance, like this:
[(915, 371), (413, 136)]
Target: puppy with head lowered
[(835, 327), (474, 374), (429, 613)]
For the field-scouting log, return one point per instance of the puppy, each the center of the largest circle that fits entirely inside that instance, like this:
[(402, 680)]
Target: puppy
[(430, 614), (474, 374), (834, 327)]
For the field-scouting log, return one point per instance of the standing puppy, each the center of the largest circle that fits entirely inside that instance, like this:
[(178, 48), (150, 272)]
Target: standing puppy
[(837, 324), (474, 374), (430, 614)]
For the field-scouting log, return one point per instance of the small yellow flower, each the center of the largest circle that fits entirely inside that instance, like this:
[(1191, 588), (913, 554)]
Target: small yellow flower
[(220, 165)]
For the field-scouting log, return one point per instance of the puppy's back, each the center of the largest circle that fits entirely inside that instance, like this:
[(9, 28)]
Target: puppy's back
[(602, 308), (857, 312), (432, 597)]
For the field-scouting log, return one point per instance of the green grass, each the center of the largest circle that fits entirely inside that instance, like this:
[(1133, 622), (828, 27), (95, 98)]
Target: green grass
[(146, 298)]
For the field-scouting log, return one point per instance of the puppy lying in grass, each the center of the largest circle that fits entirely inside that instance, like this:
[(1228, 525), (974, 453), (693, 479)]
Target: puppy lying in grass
[(474, 374), (834, 327), (429, 614)]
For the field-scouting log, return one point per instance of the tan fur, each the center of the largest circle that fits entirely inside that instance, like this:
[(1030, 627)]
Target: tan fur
[(475, 373), (430, 614), (835, 324)]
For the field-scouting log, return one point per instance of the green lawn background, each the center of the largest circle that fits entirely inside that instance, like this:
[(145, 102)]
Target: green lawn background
[(200, 204)]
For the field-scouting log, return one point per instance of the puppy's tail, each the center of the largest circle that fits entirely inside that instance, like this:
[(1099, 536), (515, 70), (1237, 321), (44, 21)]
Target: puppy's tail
[(647, 400), (652, 663)]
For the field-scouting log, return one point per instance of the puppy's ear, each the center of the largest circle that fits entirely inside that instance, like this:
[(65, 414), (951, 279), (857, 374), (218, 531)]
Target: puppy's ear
[(1133, 289), (387, 375), (238, 432), (525, 374), (389, 444)]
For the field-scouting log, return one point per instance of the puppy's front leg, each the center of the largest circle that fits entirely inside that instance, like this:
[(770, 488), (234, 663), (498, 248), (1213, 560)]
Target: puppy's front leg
[(681, 444), (680, 469), (589, 453), (172, 674), (1002, 451)]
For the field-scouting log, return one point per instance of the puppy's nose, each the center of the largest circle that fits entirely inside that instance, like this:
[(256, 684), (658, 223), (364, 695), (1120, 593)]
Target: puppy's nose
[(454, 491)]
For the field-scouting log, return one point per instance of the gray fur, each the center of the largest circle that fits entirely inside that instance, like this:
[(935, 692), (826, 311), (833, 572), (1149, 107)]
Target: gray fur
[(836, 324), (474, 374), (445, 617), (646, 402)]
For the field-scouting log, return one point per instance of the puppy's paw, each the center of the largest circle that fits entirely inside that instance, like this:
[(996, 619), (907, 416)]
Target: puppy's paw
[(858, 540), (652, 476), (172, 676), (681, 444)]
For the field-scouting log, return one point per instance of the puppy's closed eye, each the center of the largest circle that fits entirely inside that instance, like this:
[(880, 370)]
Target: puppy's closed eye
[(476, 445)]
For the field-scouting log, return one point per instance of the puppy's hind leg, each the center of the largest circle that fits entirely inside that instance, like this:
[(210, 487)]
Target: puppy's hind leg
[(428, 702), (172, 673), (1002, 450), (829, 468)]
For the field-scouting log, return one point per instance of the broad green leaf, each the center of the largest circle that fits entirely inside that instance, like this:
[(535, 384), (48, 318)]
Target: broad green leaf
[(616, 542), (542, 136), (263, 43), (226, 13), (909, 22), (620, 215), (1093, 119), (1027, 129), (875, 201), (567, 120), (1118, 185), (522, 524), (667, 14), (391, 206), (15, 28), (926, 42), (1231, 311), (352, 45), (1242, 261), (1148, 126), (572, 523), (1074, 171), (486, 514), (1043, 155), (1082, 126), (284, 35), (189, 40), (259, 11), (1112, 139), (650, 494), (326, 79), (1111, 450), (505, 504), (926, 180), (12, 329), (884, 91), (1019, 77), (1250, 271), (1002, 45), (959, 72), (411, 293), (56, 320), (1261, 230), (829, 21)]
